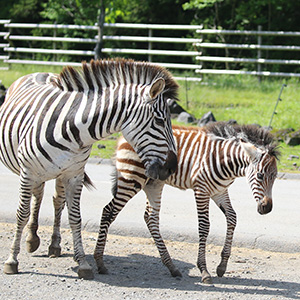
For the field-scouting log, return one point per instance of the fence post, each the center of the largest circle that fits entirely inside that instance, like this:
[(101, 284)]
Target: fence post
[(259, 42), (101, 18), (200, 50), (150, 34), (54, 43)]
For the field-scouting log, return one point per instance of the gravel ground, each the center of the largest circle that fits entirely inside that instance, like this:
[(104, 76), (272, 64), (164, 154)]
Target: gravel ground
[(136, 272)]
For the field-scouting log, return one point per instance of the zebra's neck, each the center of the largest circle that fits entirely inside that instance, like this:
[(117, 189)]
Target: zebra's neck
[(100, 113), (235, 160)]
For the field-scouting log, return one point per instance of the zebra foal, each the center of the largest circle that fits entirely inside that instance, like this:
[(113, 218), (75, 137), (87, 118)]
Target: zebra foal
[(209, 160), (49, 122)]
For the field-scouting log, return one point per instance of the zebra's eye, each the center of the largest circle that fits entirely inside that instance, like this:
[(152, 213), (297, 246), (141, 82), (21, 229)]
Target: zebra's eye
[(260, 176), (160, 121)]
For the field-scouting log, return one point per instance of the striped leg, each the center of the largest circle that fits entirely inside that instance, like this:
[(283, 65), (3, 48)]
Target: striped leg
[(59, 204), (202, 203), (125, 191), (223, 201), (153, 191), (73, 188), (33, 240), (23, 212)]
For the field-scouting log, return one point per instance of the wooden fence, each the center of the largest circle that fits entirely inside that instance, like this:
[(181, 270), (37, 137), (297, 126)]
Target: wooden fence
[(196, 51)]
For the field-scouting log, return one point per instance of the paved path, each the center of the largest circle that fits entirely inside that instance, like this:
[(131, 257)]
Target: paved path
[(277, 231)]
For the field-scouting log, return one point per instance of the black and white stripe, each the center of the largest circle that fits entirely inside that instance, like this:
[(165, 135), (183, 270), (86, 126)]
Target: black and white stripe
[(49, 122), (209, 159)]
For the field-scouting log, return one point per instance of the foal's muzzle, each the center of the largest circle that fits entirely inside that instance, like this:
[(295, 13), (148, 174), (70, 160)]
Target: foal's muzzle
[(265, 205)]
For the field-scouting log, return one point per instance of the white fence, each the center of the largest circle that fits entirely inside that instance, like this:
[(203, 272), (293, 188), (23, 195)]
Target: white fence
[(194, 53)]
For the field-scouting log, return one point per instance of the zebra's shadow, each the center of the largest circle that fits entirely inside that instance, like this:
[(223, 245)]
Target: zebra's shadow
[(144, 271)]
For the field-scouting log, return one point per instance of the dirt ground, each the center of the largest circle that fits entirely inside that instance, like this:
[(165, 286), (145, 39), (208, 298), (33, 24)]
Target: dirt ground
[(136, 272)]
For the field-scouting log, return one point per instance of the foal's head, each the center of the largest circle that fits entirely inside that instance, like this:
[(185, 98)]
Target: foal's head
[(261, 174)]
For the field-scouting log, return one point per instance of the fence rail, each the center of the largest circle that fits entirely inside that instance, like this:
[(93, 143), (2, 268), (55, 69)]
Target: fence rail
[(194, 53)]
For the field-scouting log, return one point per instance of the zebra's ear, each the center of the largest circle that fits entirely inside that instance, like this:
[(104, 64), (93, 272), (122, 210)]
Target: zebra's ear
[(156, 88), (250, 149)]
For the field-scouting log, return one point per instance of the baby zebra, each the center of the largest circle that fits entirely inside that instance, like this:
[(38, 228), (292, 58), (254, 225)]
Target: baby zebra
[(209, 160)]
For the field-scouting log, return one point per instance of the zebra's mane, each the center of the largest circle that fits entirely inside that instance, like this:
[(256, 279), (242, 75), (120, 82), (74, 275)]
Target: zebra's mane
[(103, 73), (259, 137)]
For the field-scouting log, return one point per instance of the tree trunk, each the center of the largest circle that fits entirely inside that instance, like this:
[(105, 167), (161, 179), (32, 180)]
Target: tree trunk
[(101, 17)]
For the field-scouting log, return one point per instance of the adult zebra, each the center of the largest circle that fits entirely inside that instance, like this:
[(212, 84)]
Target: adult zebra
[(49, 122), (209, 160)]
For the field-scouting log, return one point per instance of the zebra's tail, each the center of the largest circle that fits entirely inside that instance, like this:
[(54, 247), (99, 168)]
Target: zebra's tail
[(114, 179), (88, 183)]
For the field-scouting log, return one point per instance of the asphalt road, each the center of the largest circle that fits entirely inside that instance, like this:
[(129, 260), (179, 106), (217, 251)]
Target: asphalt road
[(277, 231)]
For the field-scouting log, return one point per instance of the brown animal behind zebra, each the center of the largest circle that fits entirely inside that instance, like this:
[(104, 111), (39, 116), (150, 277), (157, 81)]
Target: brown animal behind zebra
[(209, 159)]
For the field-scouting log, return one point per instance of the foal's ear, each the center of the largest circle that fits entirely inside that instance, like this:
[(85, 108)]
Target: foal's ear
[(250, 149), (156, 88)]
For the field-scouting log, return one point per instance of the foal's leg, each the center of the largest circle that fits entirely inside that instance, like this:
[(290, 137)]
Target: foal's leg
[(202, 203), (223, 201), (23, 212), (59, 204), (153, 191), (33, 240), (73, 187), (126, 189)]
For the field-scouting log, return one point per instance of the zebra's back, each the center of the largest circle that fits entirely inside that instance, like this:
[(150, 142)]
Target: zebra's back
[(25, 121)]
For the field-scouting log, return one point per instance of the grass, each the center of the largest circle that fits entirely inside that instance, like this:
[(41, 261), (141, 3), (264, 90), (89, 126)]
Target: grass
[(245, 100), (242, 98)]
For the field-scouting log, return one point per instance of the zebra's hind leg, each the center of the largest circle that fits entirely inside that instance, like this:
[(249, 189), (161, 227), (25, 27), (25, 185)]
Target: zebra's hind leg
[(33, 240), (73, 188), (59, 201), (202, 202), (126, 189), (223, 202), (153, 190), (23, 211)]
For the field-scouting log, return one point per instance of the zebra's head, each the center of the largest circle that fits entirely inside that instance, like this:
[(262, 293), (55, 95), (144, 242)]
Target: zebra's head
[(148, 130), (261, 174)]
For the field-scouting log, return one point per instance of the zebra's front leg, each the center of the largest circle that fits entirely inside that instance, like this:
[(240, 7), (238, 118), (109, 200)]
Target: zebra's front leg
[(223, 202), (203, 228), (153, 191), (33, 240), (59, 201), (23, 211), (73, 188)]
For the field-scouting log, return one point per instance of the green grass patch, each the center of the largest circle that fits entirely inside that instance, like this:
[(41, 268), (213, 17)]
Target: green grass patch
[(110, 146), (245, 100), (286, 164)]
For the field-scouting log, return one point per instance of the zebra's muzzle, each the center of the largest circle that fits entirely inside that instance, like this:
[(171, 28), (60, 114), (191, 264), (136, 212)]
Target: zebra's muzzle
[(265, 205), (155, 170)]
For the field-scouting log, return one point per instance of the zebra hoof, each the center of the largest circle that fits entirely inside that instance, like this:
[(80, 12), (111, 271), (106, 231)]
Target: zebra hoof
[(176, 273), (102, 270), (85, 273), (207, 280), (11, 268), (32, 244), (220, 271), (54, 251)]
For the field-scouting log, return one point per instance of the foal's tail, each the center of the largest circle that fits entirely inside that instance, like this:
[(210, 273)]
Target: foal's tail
[(88, 183)]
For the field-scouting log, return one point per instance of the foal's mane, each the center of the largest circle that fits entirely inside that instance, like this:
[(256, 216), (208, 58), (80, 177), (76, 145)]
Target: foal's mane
[(104, 73), (259, 137)]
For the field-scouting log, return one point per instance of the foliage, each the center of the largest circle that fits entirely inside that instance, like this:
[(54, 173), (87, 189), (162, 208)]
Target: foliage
[(231, 14)]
